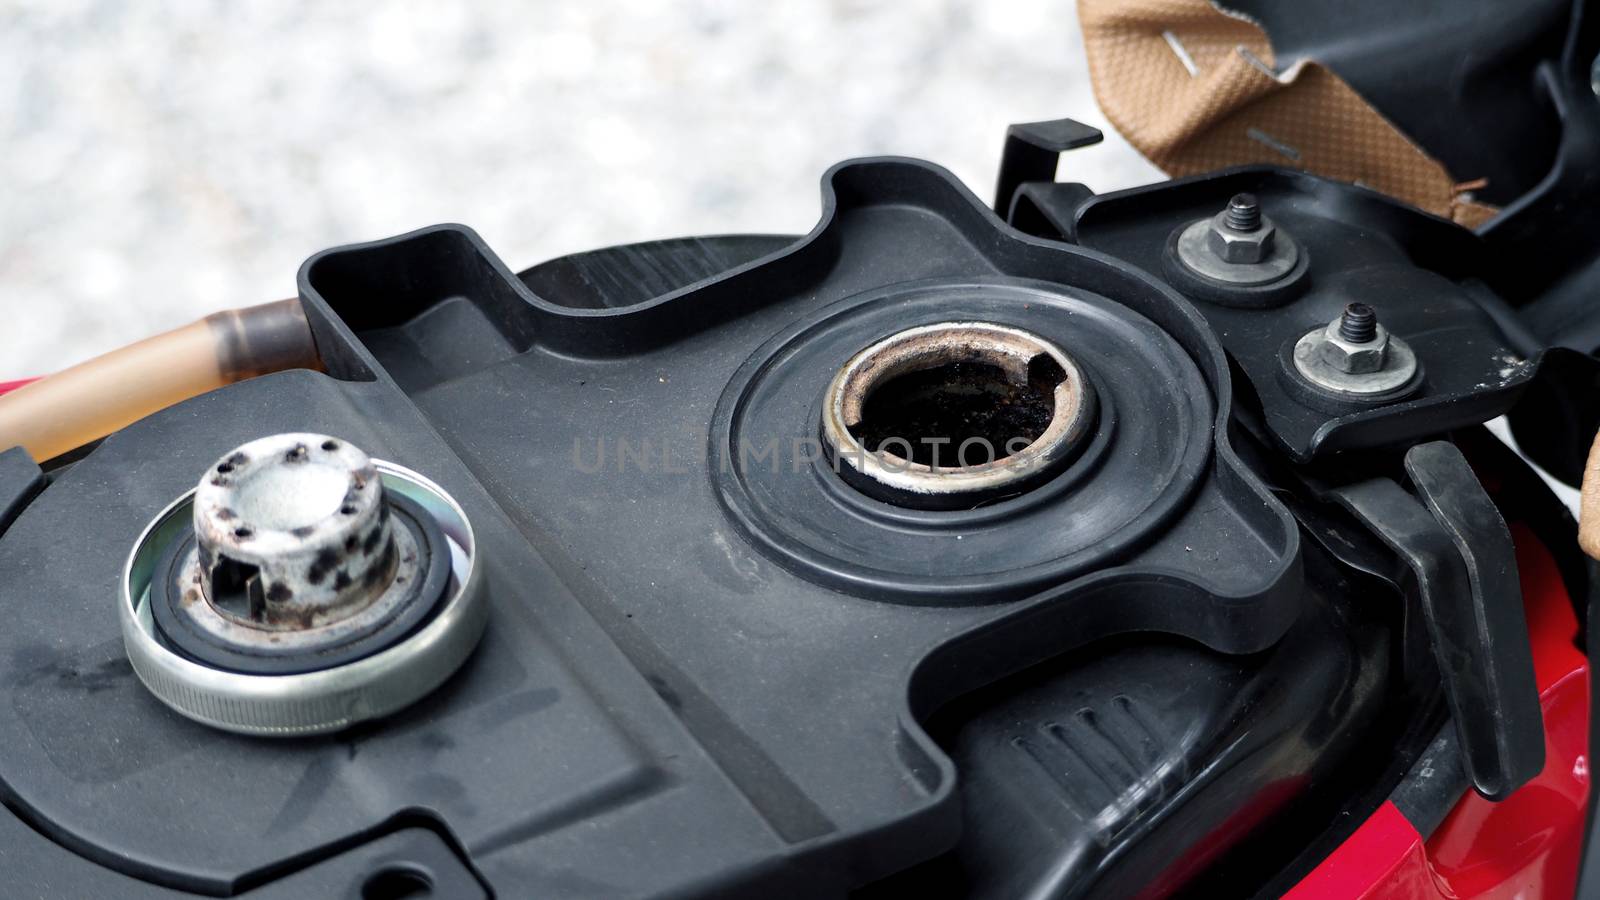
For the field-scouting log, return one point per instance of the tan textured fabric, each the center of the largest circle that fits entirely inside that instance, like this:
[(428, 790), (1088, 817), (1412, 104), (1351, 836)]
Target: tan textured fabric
[(1589, 503), (1232, 110)]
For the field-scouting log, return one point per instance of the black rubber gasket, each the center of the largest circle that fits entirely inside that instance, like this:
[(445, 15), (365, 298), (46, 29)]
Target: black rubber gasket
[(426, 596), (1150, 448)]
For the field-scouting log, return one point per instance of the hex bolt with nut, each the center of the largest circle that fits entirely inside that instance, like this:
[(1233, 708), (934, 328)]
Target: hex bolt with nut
[(1240, 234), (1358, 324), (1243, 213), (1240, 245), (1355, 355), (1355, 343)]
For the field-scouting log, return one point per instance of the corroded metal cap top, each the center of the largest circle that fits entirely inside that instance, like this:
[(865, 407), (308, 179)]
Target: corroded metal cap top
[(293, 533)]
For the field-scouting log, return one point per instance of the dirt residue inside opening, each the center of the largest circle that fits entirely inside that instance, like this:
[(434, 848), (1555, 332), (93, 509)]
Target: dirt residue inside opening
[(938, 408)]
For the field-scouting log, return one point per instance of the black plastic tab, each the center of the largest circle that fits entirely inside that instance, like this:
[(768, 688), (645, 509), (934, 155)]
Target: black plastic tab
[(1032, 150), (1460, 552), (1048, 209)]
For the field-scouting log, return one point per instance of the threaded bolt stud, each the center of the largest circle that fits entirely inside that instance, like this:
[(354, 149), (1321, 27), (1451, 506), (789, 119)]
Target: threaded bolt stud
[(1359, 324), (1244, 213)]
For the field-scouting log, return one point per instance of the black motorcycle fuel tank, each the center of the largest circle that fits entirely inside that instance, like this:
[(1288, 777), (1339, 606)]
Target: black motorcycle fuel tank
[(719, 656)]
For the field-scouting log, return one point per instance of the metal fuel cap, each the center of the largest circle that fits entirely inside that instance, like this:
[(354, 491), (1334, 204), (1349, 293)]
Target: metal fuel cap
[(300, 588)]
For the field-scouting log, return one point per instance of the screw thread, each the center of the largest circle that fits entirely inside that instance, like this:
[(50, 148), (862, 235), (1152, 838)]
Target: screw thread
[(1244, 213), (1358, 324)]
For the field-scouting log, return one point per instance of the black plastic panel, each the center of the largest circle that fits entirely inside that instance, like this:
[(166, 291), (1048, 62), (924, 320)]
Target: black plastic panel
[(660, 682)]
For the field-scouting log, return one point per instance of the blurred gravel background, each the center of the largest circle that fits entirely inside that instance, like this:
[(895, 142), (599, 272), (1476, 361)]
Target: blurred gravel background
[(162, 160)]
